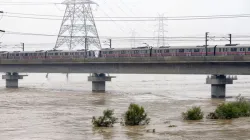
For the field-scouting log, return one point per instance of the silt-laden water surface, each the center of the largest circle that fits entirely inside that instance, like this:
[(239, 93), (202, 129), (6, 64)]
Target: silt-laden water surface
[(61, 109)]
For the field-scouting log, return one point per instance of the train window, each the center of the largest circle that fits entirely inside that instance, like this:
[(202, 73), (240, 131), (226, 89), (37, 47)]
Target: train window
[(66, 53), (136, 52), (26, 54), (159, 51), (123, 52), (244, 49), (56, 53), (155, 51), (166, 51), (146, 51), (219, 49), (110, 52), (233, 49), (34, 54), (76, 53), (249, 49), (196, 50), (82, 53), (181, 50)]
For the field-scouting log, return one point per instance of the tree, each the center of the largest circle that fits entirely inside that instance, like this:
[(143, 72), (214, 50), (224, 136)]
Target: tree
[(107, 120), (136, 115)]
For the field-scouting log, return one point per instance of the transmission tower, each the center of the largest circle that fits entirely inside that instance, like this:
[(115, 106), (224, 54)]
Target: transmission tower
[(78, 28), (161, 31)]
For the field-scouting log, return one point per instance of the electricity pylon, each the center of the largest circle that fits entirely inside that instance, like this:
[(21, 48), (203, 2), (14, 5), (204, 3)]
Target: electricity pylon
[(161, 32), (78, 28)]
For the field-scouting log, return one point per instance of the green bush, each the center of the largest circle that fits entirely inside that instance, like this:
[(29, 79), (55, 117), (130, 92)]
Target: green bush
[(193, 114), (107, 120), (136, 115), (240, 108)]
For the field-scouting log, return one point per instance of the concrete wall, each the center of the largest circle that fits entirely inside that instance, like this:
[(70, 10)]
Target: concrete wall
[(233, 65)]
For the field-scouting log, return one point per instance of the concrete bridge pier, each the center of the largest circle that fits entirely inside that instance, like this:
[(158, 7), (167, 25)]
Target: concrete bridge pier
[(99, 81), (12, 79), (218, 85)]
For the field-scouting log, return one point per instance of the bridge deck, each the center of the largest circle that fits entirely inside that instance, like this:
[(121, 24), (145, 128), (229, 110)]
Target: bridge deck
[(171, 59), (233, 65)]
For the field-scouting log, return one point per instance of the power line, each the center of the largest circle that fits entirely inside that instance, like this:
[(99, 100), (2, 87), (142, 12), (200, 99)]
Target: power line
[(28, 3), (14, 13), (125, 37), (113, 19)]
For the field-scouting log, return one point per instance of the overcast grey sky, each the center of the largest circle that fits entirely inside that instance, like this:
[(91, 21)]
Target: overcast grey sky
[(130, 8)]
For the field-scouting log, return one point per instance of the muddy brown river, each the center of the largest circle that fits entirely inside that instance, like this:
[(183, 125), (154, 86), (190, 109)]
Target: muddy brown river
[(61, 109)]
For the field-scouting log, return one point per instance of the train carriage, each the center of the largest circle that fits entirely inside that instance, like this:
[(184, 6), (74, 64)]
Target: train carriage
[(4, 55), (233, 49), (80, 54), (27, 55), (128, 52), (182, 51)]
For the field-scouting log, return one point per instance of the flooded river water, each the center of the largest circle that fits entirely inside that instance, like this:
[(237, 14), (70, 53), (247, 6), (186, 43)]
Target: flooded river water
[(61, 109)]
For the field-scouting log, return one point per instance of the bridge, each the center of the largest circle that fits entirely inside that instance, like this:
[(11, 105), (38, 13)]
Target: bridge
[(217, 66)]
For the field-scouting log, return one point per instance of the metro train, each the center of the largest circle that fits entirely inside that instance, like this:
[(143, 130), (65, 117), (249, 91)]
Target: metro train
[(164, 51)]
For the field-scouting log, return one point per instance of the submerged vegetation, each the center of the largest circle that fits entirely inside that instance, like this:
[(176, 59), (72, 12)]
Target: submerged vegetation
[(237, 109), (136, 115), (107, 120), (194, 113)]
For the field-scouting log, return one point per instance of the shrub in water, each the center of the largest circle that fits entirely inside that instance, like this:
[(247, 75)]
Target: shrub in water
[(240, 108), (136, 115), (227, 111), (107, 120), (193, 114)]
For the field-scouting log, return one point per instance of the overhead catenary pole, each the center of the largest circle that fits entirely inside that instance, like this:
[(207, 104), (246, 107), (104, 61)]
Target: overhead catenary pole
[(206, 42), (86, 47), (22, 46), (110, 43), (230, 39)]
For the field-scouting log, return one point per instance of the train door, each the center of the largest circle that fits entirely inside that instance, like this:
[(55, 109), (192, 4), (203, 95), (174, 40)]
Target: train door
[(241, 51), (247, 51)]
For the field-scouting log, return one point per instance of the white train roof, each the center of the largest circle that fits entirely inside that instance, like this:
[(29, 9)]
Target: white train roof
[(234, 46), (125, 49), (27, 52), (182, 47)]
